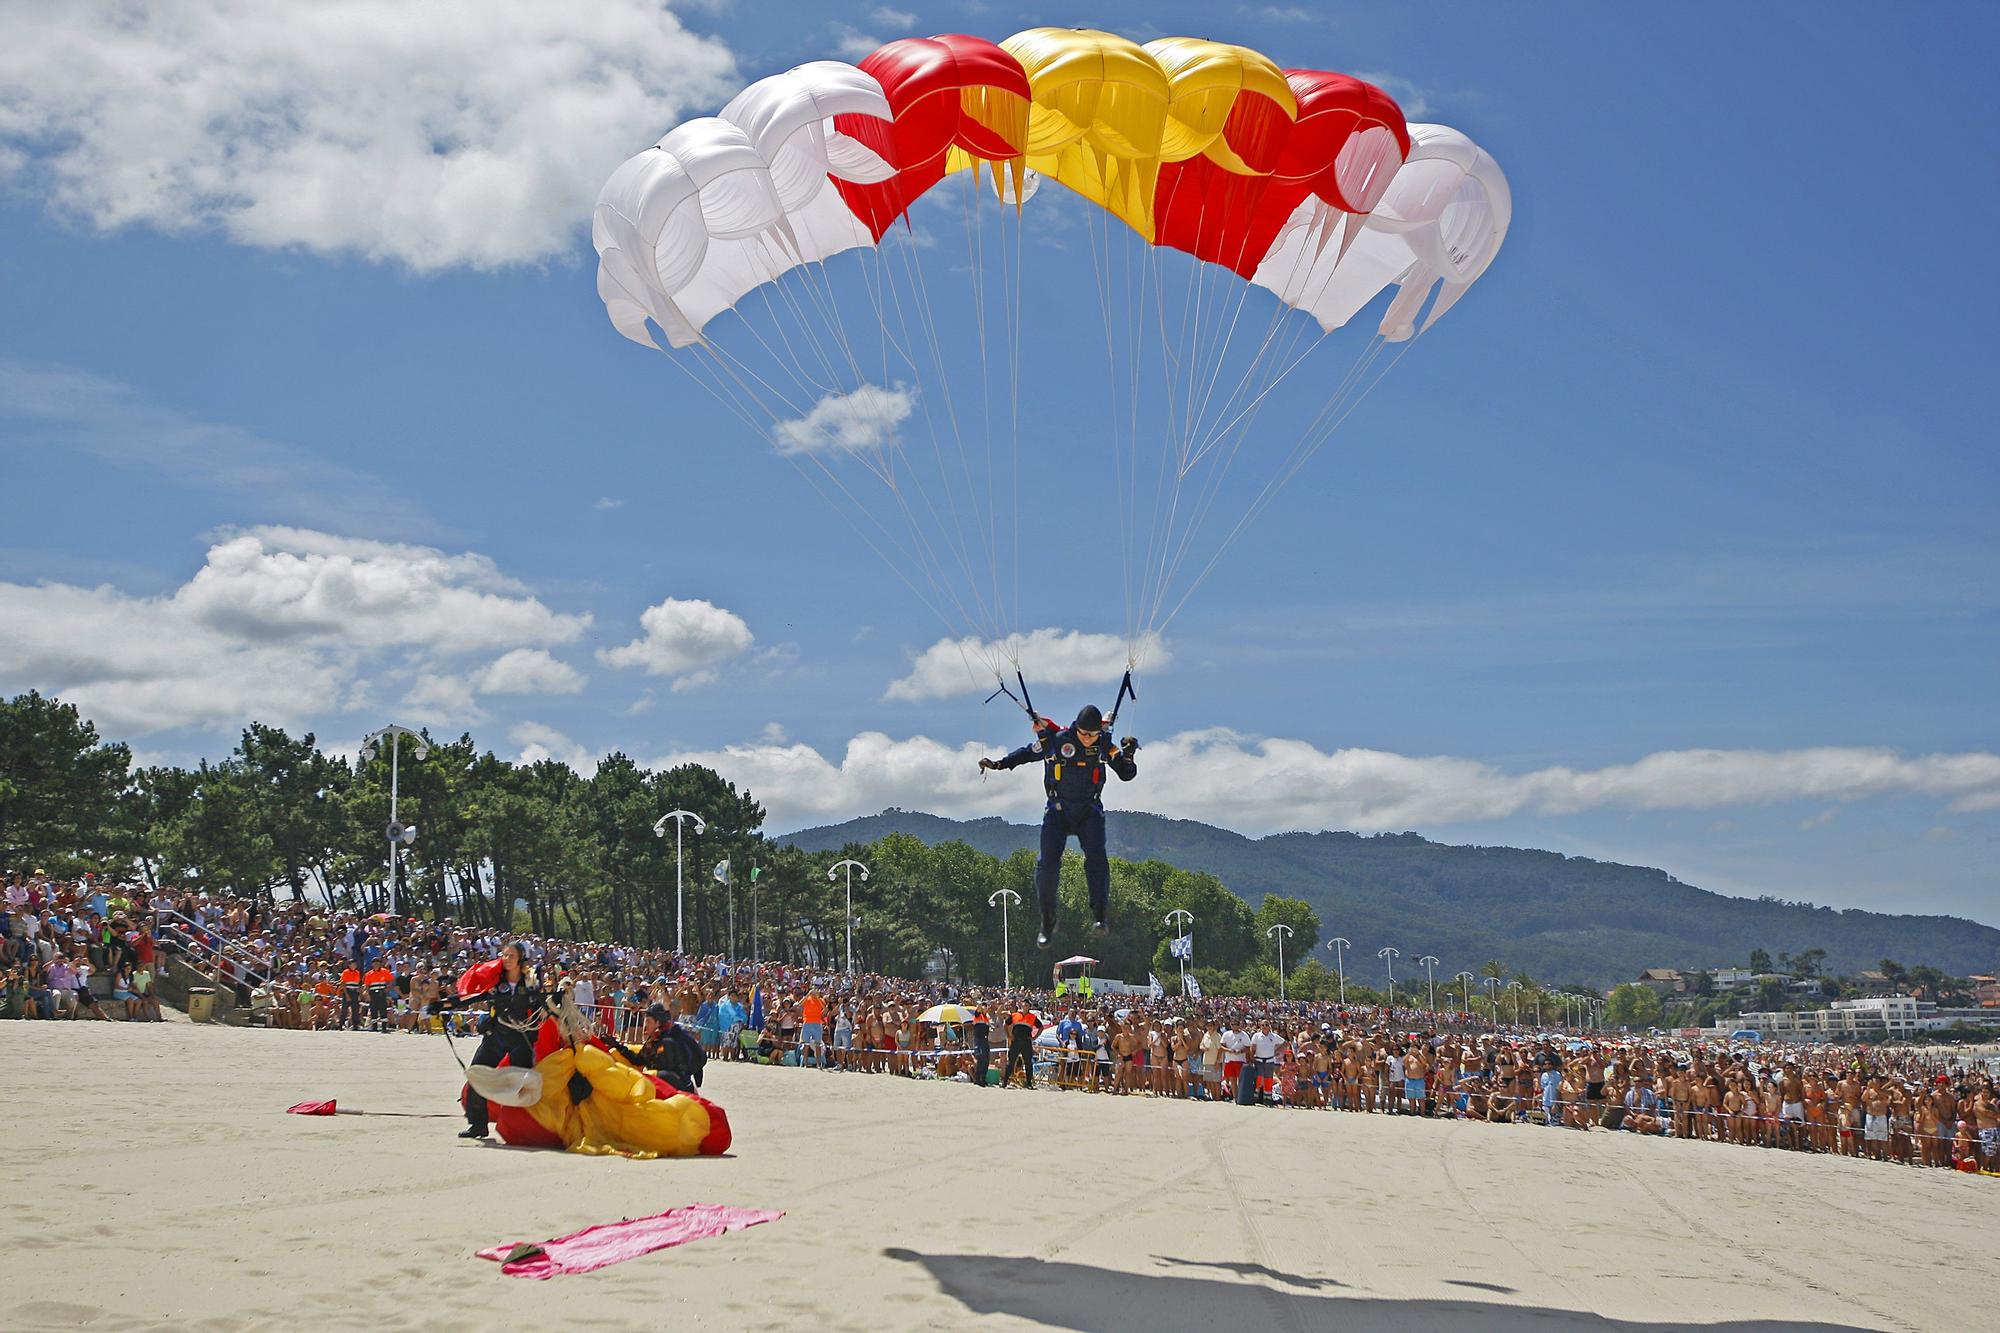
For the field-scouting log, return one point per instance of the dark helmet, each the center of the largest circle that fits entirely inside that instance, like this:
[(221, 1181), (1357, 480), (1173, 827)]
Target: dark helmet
[(1089, 719)]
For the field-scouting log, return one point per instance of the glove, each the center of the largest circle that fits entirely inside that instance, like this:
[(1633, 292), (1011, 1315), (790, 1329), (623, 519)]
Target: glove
[(579, 1089), (1129, 745), (986, 765)]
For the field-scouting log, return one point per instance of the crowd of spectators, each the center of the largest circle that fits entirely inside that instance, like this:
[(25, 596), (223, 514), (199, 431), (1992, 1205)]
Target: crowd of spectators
[(304, 965), (69, 950)]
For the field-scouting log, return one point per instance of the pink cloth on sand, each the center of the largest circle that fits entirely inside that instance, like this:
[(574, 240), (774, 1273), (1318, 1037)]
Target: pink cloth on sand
[(612, 1242), (313, 1108)]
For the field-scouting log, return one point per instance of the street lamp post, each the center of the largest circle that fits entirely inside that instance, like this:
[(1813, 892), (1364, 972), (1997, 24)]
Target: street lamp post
[(1389, 953), (1340, 947), (1280, 932), (1492, 985), (1003, 897), (850, 866), (399, 837), (1430, 962), (1181, 922), (1465, 980), (660, 831), (1515, 987)]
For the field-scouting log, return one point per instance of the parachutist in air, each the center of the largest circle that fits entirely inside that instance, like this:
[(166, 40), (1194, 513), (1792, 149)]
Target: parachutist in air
[(1074, 760)]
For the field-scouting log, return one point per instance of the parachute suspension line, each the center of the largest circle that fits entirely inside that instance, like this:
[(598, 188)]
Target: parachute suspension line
[(975, 248), (723, 363), (921, 556), (953, 530), (1165, 590), (1294, 464), (1100, 264), (1289, 334)]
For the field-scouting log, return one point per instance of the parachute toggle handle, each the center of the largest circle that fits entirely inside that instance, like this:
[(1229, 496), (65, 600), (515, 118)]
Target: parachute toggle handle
[(1125, 691)]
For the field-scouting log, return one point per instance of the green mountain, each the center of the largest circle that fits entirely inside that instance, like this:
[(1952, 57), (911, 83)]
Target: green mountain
[(1558, 918)]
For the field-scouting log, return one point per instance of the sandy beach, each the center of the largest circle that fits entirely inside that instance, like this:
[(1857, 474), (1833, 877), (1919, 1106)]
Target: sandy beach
[(169, 1189)]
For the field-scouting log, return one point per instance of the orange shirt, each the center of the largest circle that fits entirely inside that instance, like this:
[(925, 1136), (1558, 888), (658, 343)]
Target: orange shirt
[(350, 977), (380, 976), (813, 1011)]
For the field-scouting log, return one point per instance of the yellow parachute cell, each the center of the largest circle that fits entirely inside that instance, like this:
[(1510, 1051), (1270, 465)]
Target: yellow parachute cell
[(624, 1114)]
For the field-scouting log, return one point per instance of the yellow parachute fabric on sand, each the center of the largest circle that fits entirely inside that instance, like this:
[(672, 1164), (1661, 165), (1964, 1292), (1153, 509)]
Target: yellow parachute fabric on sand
[(624, 1115)]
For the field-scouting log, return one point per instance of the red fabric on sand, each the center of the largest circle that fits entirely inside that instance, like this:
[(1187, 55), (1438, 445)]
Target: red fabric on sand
[(613, 1242), (312, 1108)]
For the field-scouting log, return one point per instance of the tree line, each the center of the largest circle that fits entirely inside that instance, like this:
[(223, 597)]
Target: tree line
[(539, 847)]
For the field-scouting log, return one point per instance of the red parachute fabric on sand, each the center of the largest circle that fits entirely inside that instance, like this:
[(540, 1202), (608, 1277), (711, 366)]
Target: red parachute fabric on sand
[(479, 978), (949, 91), (313, 1108), (1217, 215)]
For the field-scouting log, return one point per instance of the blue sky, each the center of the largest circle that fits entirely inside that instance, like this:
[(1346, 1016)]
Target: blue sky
[(1675, 543)]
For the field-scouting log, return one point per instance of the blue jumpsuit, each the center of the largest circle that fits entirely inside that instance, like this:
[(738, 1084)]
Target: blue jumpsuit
[(1073, 777)]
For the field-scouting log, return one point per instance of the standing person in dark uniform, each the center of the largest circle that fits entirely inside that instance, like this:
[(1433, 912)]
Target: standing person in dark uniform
[(516, 1005), (982, 1046), (1073, 762), (1020, 1047)]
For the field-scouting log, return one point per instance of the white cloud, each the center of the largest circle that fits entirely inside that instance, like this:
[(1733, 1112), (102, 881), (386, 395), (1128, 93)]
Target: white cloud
[(605, 502), (850, 43), (277, 625), (61, 407), (867, 418), (293, 583), (1286, 14), (694, 680), (1054, 656), (141, 664), (1268, 785), (682, 638), (538, 741), (438, 134), (440, 699), (528, 671), (1414, 100), (893, 18)]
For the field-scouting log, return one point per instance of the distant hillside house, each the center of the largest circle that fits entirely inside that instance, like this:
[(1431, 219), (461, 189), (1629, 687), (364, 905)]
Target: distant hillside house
[(1663, 981), (1733, 978), (1873, 984), (1985, 992)]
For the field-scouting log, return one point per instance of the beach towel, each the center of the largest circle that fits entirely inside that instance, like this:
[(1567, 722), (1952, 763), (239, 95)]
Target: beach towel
[(312, 1108), (612, 1242)]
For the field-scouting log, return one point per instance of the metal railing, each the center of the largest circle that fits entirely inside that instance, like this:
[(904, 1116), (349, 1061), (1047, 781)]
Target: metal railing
[(209, 946)]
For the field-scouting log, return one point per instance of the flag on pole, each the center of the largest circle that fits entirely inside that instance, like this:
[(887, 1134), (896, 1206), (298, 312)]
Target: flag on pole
[(754, 872), (757, 1008), (1193, 987), (1181, 946), (1159, 992), (722, 871)]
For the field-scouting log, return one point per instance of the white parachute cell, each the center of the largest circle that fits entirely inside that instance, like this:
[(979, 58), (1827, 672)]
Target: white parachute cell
[(725, 204), (1441, 220)]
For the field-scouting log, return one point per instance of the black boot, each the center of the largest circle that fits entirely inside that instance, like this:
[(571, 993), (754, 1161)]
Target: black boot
[(1048, 932), (473, 1132)]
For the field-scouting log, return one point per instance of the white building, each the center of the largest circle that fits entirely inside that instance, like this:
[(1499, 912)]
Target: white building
[(1883, 1016)]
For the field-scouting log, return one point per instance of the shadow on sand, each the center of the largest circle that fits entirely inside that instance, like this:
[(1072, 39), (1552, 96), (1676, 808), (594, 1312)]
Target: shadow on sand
[(1089, 1299)]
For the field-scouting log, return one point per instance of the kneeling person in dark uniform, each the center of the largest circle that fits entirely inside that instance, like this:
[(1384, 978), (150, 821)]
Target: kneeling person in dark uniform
[(1074, 761)]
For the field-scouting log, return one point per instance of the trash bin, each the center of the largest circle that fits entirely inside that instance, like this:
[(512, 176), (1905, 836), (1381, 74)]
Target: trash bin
[(201, 1004)]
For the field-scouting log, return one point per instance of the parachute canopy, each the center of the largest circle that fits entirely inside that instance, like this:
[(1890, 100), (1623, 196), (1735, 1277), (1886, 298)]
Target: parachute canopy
[(1307, 185)]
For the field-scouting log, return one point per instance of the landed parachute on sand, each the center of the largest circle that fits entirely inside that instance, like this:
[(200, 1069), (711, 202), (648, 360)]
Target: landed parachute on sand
[(592, 1100)]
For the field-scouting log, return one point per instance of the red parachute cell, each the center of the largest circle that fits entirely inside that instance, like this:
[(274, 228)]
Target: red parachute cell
[(949, 91), (1344, 148), (479, 978)]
